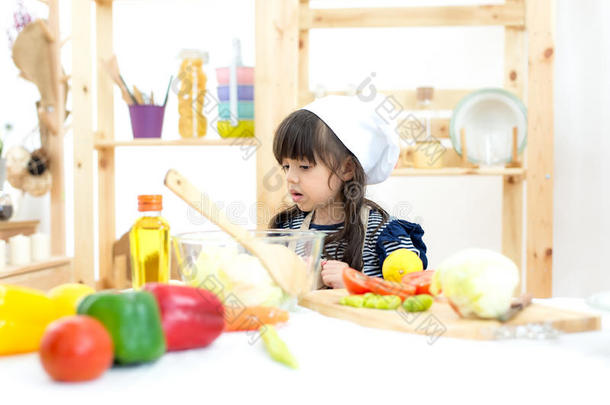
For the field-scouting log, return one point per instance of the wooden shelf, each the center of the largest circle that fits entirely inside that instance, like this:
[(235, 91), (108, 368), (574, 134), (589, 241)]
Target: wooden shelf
[(105, 144), (510, 14), (18, 225), (11, 271), (460, 171)]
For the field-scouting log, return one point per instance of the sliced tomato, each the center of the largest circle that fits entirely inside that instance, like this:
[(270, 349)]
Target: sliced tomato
[(355, 281), (384, 287), (421, 280)]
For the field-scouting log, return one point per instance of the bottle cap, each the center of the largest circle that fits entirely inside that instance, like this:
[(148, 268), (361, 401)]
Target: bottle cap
[(150, 202)]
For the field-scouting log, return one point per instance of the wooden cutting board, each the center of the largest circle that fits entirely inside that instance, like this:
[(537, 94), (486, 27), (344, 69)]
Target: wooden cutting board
[(441, 320)]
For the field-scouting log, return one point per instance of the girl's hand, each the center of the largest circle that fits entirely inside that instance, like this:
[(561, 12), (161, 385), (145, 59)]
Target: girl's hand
[(332, 273)]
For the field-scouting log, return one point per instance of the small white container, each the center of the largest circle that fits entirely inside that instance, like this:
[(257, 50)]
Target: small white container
[(20, 250), (41, 247), (2, 255)]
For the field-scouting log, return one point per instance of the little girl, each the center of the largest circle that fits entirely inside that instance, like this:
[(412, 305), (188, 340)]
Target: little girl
[(330, 150)]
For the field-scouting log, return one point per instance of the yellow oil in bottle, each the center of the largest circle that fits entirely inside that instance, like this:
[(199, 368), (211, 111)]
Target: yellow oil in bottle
[(149, 245)]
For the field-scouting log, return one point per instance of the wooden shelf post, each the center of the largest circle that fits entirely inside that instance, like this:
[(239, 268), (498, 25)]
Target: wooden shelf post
[(276, 88), (82, 124), (541, 43), (106, 157)]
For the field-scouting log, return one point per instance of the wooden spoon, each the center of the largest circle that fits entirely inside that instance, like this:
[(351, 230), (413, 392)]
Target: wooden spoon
[(284, 266)]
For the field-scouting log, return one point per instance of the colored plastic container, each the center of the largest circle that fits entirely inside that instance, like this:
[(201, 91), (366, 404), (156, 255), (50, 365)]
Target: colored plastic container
[(243, 93), (146, 120), (245, 75), (245, 110), (243, 129)]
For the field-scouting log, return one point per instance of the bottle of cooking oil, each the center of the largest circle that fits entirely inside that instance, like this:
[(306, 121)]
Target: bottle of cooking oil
[(149, 243)]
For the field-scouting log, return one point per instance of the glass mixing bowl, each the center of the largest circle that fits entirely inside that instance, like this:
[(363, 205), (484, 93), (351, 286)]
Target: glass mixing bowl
[(215, 261)]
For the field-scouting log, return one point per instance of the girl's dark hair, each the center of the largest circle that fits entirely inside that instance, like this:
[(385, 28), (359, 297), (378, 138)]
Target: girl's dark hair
[(304, 136)]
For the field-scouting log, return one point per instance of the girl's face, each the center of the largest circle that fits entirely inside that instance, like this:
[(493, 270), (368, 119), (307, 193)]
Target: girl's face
[(308, 184)]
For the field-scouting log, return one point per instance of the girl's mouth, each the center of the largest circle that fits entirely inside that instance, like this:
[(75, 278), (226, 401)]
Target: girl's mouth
[(296, 196)]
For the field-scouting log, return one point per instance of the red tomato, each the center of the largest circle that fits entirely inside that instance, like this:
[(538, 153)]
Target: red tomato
[(421, 280), (76, 348), (355, 281), (384, 287)]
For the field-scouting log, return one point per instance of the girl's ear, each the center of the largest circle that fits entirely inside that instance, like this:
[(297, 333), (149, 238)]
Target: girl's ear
[(348, 169)]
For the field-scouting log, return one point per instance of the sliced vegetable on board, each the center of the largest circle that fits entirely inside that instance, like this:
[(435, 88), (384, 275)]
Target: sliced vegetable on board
[(384, 287), (355, 281), (370, 300), (418, 303), (420, 279)]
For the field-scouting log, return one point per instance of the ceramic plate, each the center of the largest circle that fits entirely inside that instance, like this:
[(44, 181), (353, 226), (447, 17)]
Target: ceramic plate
[(488, 116)]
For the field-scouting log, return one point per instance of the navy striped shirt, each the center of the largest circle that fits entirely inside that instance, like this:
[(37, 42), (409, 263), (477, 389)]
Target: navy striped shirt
[(379, 241)]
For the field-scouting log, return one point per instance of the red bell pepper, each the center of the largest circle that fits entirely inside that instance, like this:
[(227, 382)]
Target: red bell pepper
[(191, 317)]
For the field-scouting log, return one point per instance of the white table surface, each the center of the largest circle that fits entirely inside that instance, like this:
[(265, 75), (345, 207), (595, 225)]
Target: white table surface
[(342, 361)]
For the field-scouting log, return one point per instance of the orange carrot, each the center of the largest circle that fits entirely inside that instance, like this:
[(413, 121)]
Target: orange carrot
[(252, 318)]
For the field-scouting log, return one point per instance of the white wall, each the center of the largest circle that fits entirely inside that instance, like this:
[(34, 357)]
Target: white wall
[(455, 212)]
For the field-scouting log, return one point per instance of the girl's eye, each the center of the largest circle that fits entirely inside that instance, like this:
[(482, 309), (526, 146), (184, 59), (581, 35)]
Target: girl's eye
[(304, 167), (285, 168)]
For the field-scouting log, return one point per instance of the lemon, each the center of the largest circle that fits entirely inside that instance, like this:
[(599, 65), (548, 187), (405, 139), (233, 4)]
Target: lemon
[(399, 263), (67, 296)]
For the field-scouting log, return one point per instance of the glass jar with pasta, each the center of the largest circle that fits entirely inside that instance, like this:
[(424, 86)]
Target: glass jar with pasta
[(192, 122)]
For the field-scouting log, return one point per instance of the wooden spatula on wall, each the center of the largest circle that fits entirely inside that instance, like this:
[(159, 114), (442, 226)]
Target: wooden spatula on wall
[(284, 266)]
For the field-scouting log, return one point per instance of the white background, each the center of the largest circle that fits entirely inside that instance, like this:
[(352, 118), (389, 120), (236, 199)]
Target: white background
[(455, 212)]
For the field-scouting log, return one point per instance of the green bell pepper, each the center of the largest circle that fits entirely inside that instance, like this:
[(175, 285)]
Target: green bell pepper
[(133, 321)]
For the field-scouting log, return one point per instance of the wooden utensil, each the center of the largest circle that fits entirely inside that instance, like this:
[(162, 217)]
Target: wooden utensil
[(283, 265), (138, 95), (111, 65)]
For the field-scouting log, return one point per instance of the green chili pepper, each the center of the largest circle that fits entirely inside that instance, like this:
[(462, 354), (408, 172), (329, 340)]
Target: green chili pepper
[(352, 301), (388, 302), (276, 347), (371, 301), (418, 303)]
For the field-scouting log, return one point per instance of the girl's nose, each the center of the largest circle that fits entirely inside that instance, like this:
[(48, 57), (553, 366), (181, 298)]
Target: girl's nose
[(291, 176)]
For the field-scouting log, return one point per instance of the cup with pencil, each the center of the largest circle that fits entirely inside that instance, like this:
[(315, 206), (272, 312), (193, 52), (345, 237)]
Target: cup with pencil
[(146, 116)]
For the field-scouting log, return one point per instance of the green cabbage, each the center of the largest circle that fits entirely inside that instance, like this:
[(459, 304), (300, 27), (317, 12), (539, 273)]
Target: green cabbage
[(477, 282)]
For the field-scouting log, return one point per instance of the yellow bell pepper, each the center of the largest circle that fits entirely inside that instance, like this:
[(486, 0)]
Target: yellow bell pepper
[(24, 315), (20, 337), (67, 296)]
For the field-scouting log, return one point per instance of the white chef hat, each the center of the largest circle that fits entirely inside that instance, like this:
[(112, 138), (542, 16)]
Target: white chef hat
[(363, 131)]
